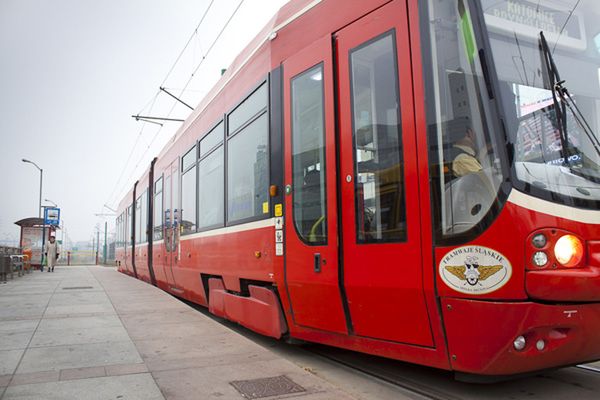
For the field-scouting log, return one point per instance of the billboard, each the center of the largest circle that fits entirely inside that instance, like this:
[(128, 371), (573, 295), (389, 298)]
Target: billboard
[(31, 242)]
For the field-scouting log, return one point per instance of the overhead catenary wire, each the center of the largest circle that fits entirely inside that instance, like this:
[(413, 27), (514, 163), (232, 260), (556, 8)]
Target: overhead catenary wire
[(211, 46), (189, 81), (565, 25), (194, 33), (131, 152), (153, 101)]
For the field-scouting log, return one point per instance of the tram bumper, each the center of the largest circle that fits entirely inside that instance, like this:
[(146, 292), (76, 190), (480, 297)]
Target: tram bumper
[(481, 335), (577, 284), (564, 285)]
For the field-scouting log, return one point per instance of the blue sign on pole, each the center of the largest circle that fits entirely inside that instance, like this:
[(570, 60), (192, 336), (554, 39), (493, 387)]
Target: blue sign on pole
[(52, 216)]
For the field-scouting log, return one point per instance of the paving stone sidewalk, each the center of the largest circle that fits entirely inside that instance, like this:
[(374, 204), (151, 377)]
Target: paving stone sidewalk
[(93, 333)]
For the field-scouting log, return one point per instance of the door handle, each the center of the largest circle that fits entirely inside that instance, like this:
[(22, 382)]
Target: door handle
[(317, 262)]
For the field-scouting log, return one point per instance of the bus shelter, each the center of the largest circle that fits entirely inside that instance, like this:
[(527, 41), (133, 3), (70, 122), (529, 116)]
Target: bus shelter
[(32, 237)]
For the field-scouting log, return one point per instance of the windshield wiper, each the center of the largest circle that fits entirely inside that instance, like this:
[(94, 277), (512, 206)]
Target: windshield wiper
[(559, 90), (560, 110)]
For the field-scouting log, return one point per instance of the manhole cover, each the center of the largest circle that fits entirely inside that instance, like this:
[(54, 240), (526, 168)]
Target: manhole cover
[(265, 387), (78, 287)]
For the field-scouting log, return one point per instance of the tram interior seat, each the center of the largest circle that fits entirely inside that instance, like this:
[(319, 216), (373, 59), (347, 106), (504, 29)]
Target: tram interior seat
[(313, 220), (466, 198)]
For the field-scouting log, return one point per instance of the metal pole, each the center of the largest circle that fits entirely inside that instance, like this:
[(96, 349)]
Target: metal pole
[(105, 230), (97, 245), (176, 98), (43, 246), (40, 216), (41, 178), (138, 117)]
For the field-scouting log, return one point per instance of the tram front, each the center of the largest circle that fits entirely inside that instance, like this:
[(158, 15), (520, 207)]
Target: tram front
[(512, 93)]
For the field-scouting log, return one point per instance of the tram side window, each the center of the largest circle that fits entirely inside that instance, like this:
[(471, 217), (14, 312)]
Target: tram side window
[(379, 183), (175, 205), (117, 243), (248, 159), (211, 188), (168, 218), (158, 209), (188, 192), (120, 231), (308, 163), (144, 217), (129, 232), (248, 109), (138, 219), (464, 162)]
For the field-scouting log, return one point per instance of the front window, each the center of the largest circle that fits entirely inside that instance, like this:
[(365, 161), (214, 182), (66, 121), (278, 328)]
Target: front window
[(465, 162), (554, 133)]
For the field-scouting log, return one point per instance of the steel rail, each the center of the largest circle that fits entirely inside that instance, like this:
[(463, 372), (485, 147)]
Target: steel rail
[(407, 385), (588, 368)]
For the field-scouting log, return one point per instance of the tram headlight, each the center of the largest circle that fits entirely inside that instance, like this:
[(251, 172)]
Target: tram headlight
[(519, 343), (540, 259), (539, 241), (568, 250)]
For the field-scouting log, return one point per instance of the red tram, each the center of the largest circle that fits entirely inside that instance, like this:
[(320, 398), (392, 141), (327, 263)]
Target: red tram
[(413, 179)]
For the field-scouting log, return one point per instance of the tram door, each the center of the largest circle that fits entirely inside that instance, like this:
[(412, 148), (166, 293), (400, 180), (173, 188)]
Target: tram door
[(171, 222), (129, 241), (312, 267), (363, 277), (379, 192)]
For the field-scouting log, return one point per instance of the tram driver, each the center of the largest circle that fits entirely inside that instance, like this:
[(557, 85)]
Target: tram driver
[(467, 181), (463, 153)]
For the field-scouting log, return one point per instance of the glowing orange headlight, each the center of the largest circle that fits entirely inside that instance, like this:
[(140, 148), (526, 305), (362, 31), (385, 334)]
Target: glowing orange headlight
[(568, 250)]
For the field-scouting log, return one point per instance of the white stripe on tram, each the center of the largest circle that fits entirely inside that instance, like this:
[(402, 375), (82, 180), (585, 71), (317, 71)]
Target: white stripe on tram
[(557, 210), (264, 223)]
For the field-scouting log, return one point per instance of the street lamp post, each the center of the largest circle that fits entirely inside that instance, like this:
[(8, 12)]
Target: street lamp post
[(41, 178), (50, 201), (40, 211)]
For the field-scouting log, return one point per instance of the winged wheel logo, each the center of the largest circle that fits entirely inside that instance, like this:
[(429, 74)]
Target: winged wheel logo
[(472, 272), (475, 270)]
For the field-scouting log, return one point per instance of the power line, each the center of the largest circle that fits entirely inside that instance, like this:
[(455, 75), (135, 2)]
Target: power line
[(131, 152), (211, 46), (153, 100), (187, 83), (187, 43), (197, 68)]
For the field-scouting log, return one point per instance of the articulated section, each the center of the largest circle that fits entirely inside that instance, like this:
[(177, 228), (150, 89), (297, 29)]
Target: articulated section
[(260, 312)]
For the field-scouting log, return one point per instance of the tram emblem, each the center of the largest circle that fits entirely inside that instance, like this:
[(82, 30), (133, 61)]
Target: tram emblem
[(475, 270)]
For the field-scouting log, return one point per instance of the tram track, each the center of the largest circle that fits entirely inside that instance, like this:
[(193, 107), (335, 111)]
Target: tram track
[(404, 384), (366, 376), (588, 368)]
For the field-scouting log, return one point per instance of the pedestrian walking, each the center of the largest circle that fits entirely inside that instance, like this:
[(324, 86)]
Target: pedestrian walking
[(52, 252)]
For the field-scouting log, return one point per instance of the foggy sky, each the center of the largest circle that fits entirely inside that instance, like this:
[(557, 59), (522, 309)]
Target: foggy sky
[(72, 72)]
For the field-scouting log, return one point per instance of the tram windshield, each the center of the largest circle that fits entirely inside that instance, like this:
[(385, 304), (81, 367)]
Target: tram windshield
[(466, 162), (547, 57)]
